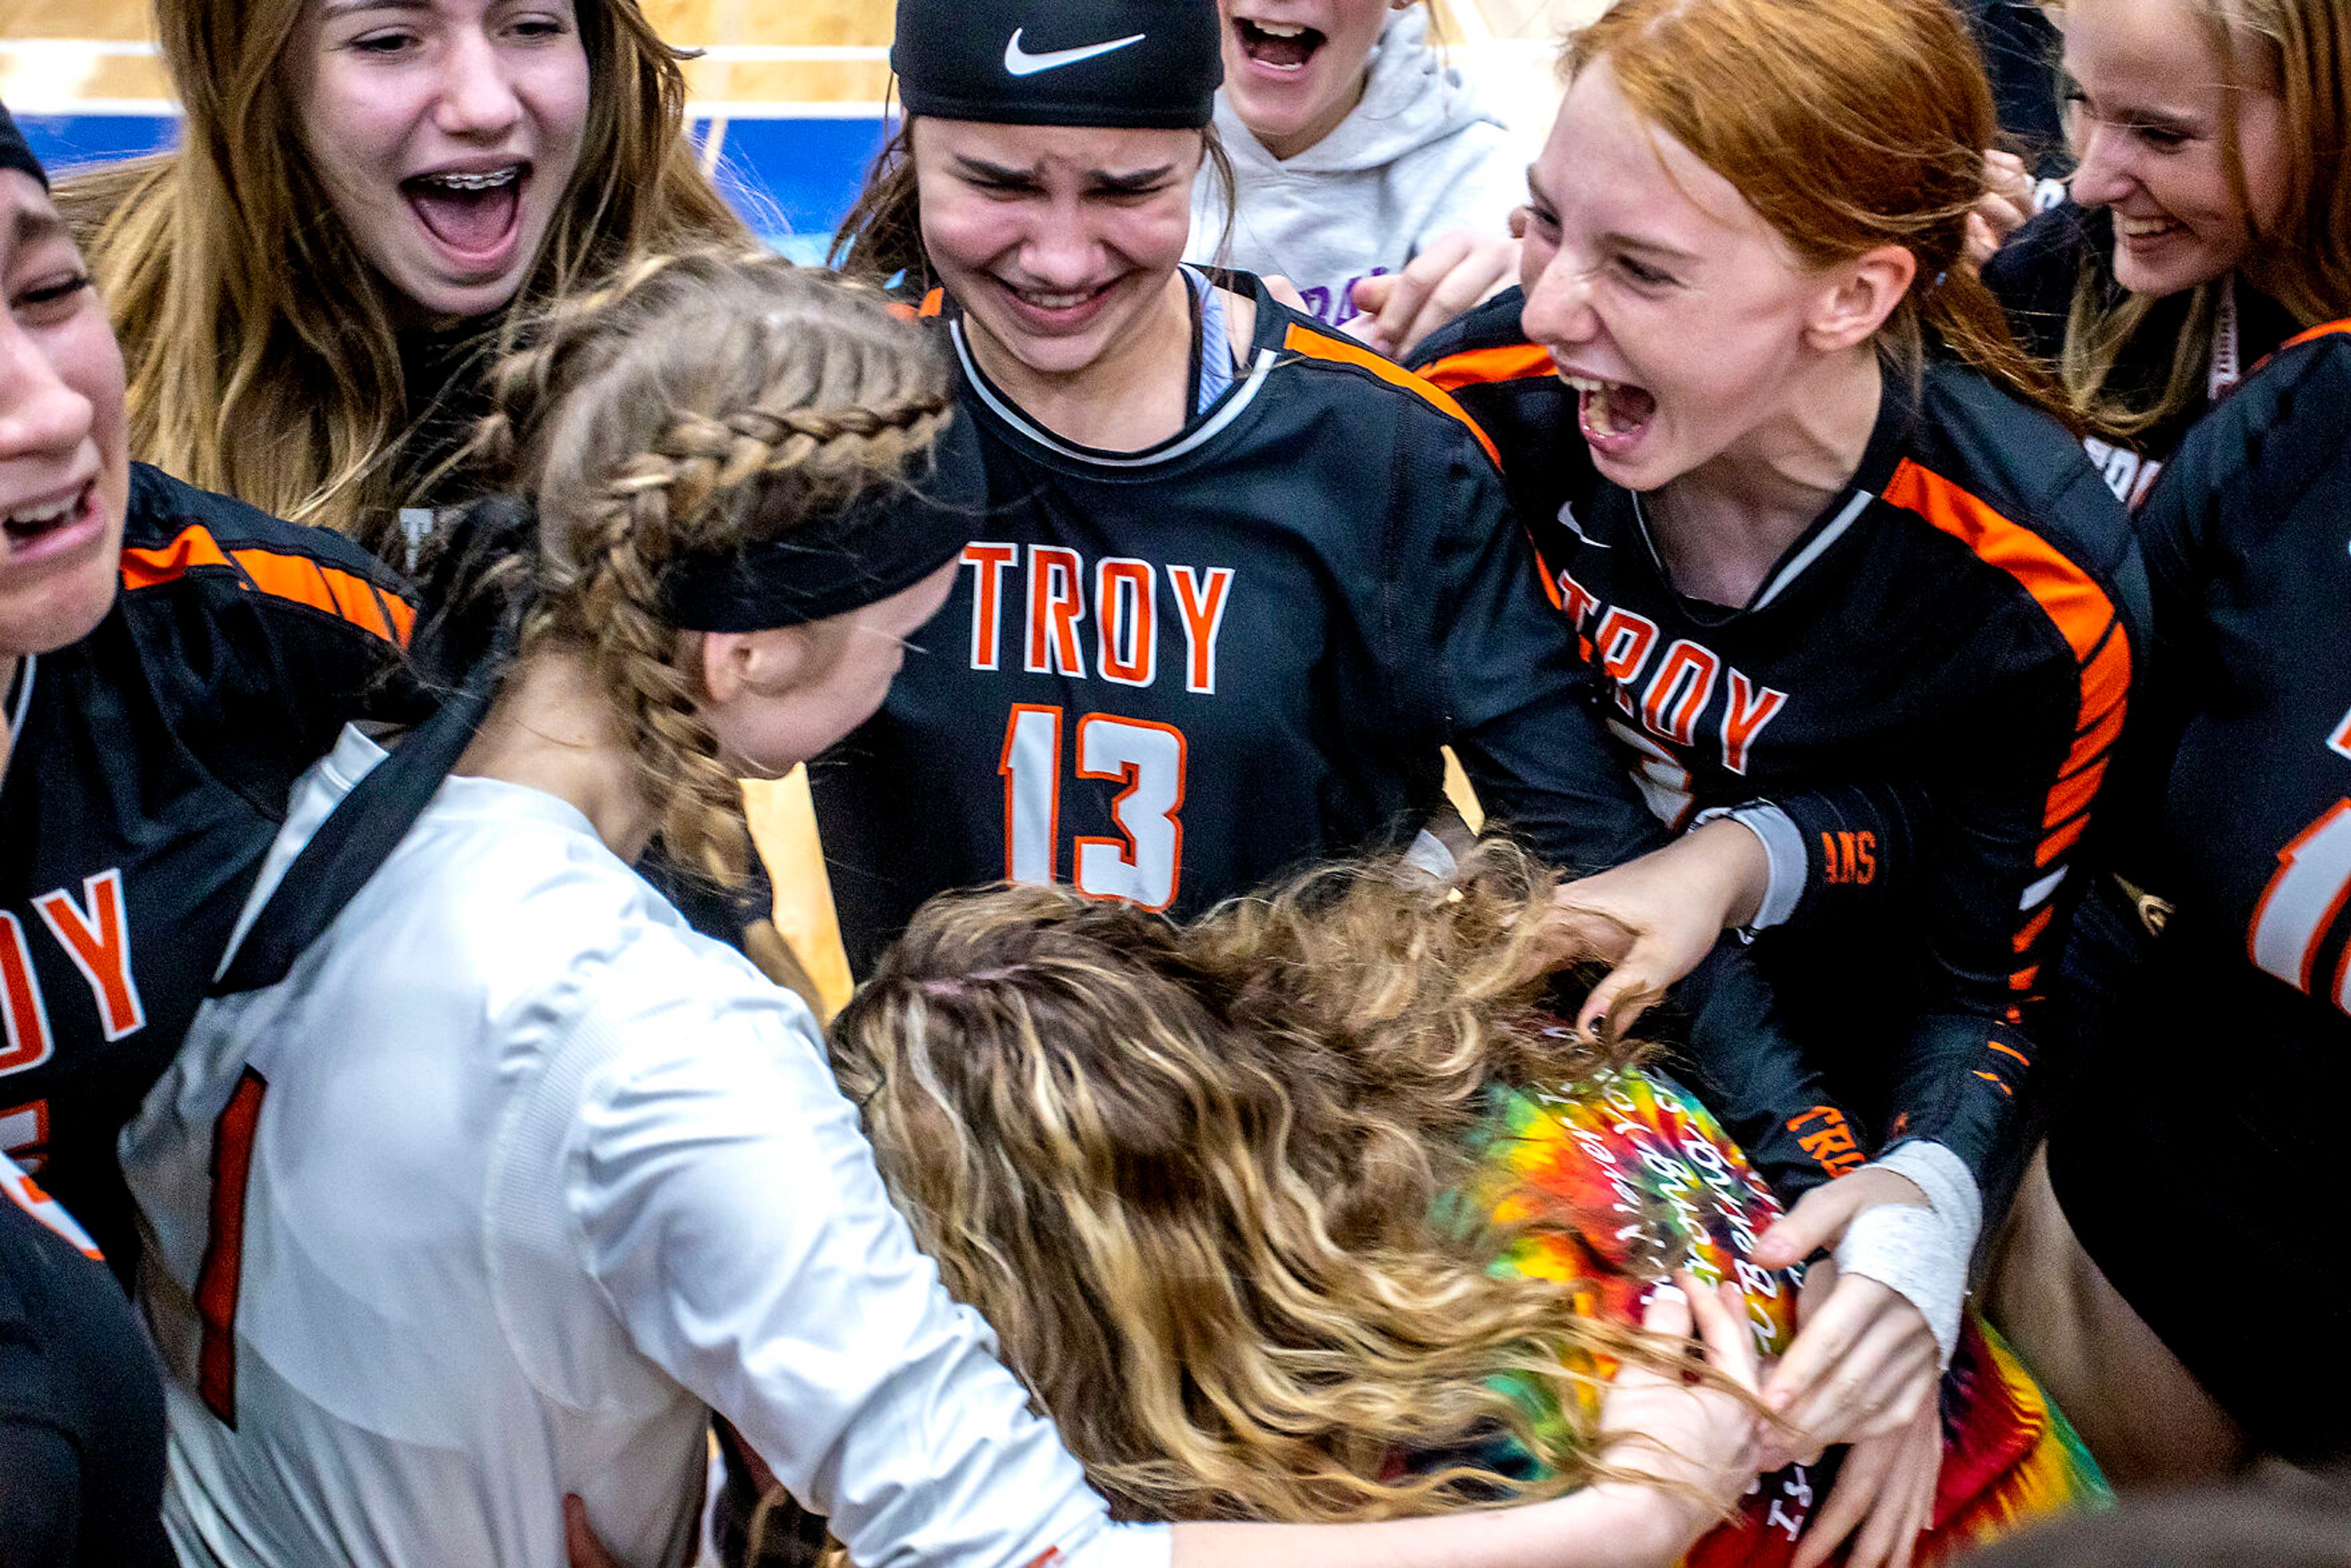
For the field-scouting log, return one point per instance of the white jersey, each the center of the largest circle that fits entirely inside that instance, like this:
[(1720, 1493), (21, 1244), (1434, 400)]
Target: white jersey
[(510, 1178)]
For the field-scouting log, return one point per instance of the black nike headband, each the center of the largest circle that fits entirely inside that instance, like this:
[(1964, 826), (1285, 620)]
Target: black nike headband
[(864, 554), (1152, 64), (15, 153), (879, 545)]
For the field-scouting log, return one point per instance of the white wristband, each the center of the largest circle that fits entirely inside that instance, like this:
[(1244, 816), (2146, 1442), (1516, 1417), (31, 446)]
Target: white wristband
[(1921, 1253)]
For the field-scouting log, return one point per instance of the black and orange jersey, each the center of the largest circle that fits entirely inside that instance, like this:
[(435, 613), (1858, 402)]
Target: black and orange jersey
[(2036, 275), (2215, 1053), (1170, 675), (2248, 543), (149, 770), (81, 1399), (1953, 640)]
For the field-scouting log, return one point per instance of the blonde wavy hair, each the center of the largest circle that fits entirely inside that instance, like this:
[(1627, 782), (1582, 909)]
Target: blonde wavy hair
[(692, 404), (1205, 1182), (2303, 46), (260, 342)]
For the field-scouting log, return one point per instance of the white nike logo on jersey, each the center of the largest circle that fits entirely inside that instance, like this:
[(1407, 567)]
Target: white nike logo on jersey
[(1019, 62), (1567, 515)]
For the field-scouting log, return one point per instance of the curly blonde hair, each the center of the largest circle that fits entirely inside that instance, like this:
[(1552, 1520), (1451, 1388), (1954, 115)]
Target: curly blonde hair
[(694, 404), (1203, 1182)]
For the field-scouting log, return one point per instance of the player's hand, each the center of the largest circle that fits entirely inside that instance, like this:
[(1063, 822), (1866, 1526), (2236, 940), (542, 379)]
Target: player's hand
[(1886, 1487), (2005, 206), (1863, 1359), (1654, 918), (579, 1543), (1694, 1442), (1460, 268)]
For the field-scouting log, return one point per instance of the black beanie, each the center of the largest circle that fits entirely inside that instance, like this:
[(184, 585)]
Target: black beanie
[(1123, 63), (15, 153)]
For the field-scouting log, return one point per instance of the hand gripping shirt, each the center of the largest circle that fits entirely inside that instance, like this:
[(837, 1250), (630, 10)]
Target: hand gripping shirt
[(510, 1178), (1171, 675), (149, 770), (1927, 685)]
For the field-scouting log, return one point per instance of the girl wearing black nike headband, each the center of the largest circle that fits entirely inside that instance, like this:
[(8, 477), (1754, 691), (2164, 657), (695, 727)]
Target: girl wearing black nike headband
[(1242, 580)]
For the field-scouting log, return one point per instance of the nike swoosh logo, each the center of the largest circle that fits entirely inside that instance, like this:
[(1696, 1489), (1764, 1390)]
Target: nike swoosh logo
[(1019, 62)]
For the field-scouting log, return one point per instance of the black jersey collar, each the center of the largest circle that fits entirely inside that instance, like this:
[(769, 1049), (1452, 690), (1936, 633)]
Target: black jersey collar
[(1198, 430)]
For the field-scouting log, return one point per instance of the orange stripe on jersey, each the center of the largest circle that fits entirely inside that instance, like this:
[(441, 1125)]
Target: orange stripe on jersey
[(2072, 797), (2069, 596), (345, 595), (2084, 615), (1483, 366), (2009, 1050), (2327, 330), (934, 303), (2034, 927), (150, 568), (1299, 339)]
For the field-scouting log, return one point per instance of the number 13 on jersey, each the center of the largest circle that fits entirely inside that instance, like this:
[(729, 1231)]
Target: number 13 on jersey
[(1145, 864)]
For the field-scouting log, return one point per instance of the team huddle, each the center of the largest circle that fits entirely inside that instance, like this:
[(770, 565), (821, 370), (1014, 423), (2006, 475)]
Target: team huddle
[(1889, 638)]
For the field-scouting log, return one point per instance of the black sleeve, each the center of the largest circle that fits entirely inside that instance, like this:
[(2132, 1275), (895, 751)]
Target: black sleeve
[(1861, 849), (274, 635), (1516, 703), (40, 1492), (2003, 824), (1743, 1063), (40, 1466)]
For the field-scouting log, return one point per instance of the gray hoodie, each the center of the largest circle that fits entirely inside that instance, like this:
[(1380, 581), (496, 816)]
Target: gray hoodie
[(1417, 157)]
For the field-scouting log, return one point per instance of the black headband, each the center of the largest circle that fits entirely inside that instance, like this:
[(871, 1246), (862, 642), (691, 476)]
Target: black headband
[(1121, 63), (879, 546), (15, 153), (864, 555)]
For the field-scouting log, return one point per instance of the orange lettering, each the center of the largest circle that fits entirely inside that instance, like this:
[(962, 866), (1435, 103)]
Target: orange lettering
[(25, 1020), (1057, 602), (1679, 691), (1126, 621), (989, 563), (100, 944), (1750, 709), (1576, 602), (1201, 598)]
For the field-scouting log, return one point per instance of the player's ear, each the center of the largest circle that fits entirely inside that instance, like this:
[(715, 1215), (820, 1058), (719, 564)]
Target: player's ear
[(1856, 297), (734, 665)]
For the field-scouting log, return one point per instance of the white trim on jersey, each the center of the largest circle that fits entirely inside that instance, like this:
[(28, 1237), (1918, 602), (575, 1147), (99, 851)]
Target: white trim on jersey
[(16, 714), (1240, 399), (1812, 551)]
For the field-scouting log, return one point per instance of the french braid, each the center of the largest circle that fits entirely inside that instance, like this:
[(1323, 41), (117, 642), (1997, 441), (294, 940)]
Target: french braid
[(696, 402)]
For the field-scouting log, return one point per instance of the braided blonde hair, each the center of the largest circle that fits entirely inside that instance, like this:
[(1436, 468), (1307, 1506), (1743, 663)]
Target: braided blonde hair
[(694, 404)]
